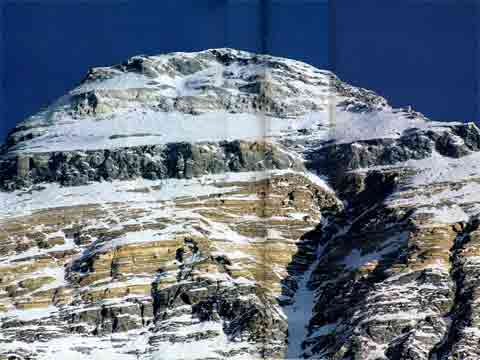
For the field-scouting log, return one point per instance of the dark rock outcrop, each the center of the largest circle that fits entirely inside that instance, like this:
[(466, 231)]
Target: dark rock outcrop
[(179, 160)]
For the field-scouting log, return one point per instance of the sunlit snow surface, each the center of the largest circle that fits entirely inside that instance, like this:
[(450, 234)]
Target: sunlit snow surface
[(146, 127), (53, 195), (447, 189), (139, 122)]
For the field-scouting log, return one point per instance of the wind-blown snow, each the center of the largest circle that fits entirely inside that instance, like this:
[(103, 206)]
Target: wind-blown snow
[(147, 127), (136, 127), (438, 168), (446, 189), (348, 127)]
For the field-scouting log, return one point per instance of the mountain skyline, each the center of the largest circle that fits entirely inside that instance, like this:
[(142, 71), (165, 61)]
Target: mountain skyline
[(428, 62)]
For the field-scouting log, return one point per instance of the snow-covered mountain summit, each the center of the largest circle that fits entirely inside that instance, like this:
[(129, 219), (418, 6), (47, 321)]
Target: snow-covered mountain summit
[(155, 105), (228, 205), (211, 95)]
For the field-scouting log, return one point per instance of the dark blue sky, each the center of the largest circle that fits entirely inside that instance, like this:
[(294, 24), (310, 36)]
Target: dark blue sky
[(414, 52)]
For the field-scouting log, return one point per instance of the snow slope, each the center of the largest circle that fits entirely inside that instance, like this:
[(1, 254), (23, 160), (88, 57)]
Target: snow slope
[(161, 100)]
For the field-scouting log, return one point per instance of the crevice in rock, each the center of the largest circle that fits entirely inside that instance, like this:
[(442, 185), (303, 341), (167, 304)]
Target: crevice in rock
[(460, 313), (357, 220)]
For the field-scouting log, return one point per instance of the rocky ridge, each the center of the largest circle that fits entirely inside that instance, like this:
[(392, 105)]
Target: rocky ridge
[(223, 204)]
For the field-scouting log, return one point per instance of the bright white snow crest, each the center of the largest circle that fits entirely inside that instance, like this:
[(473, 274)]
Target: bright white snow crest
[(147, 127), (215, 104)]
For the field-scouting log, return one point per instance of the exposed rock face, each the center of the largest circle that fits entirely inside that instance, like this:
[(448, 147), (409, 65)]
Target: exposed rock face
[(219, 258), (178, 160), (126, 235)]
